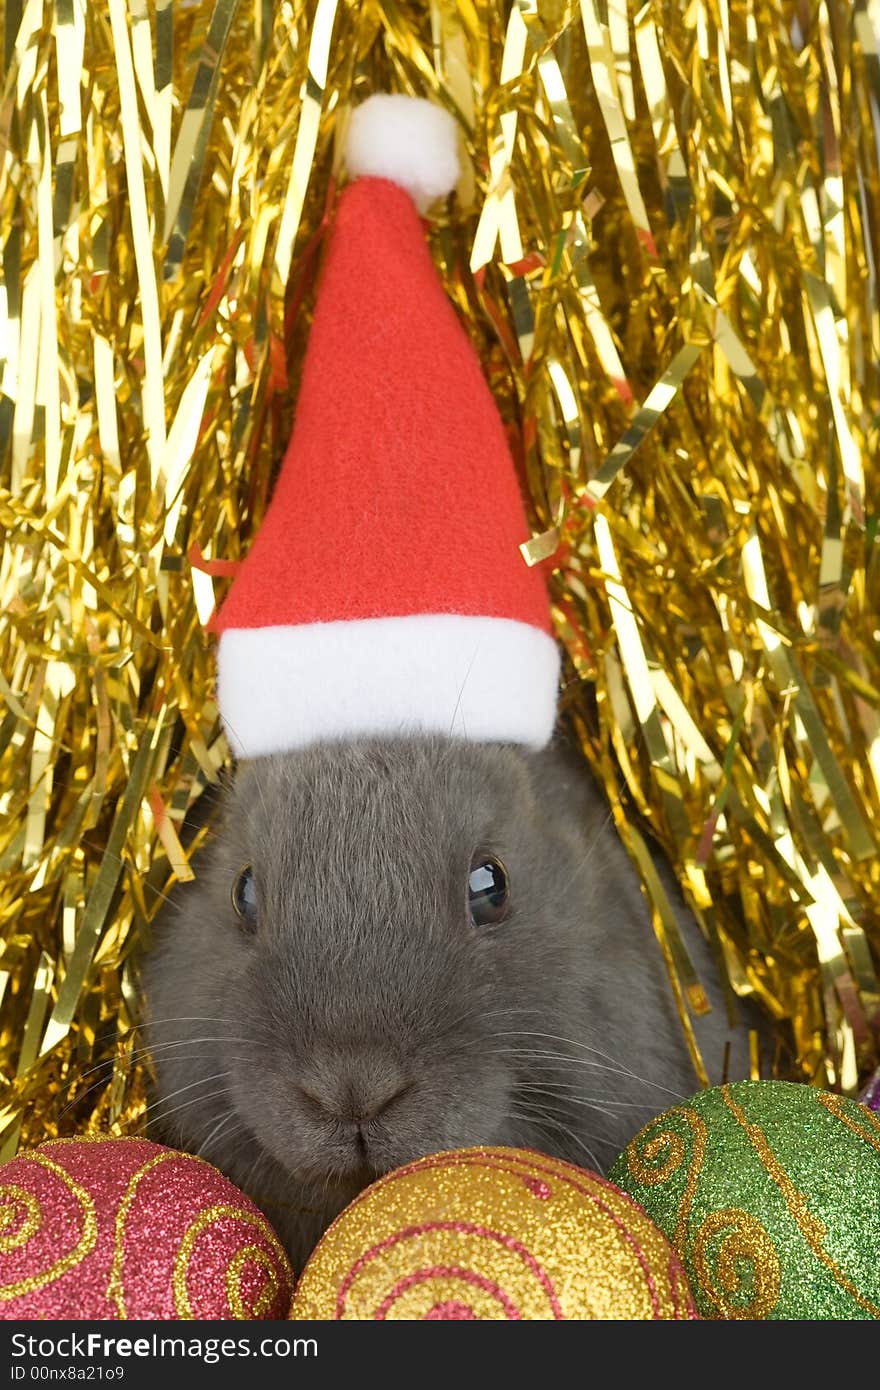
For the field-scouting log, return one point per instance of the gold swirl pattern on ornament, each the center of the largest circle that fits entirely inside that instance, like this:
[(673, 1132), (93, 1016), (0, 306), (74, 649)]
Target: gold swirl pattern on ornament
[(841, 1109), (742, 1238), (12, 1196), (32, 1282), (115, 1290), (206, 1218), (642, 1166), (266, 1297), (811, 1228), (77, 1139), (643, 1171), (500, 1276)]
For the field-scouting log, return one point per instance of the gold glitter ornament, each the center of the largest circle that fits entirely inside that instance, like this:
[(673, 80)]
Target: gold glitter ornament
[(770, 1192), (492, 1233), (664, 245)]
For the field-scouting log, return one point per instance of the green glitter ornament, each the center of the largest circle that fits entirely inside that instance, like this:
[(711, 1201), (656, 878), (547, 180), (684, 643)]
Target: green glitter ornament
[(770, 1192)]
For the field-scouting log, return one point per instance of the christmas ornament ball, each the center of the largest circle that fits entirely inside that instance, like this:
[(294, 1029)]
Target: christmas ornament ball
[(98, 1227), (770, 1192), (492, 1233)]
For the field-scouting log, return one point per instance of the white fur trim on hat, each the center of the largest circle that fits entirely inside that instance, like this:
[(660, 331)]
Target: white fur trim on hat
[(409, 141), (492, 680)]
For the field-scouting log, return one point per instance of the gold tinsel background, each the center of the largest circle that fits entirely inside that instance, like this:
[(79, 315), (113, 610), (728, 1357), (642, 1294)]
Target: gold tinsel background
[(665, 245)]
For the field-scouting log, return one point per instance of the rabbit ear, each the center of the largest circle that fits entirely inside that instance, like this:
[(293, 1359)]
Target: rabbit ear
[(410, 142)]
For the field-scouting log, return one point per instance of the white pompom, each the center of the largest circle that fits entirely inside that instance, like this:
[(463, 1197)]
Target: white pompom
[(409, 141)]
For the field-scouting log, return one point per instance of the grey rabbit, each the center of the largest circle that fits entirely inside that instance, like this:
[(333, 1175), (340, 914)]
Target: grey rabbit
[(397, 946)]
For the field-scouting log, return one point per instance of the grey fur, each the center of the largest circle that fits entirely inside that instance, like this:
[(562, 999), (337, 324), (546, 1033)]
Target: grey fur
[(365, 984)]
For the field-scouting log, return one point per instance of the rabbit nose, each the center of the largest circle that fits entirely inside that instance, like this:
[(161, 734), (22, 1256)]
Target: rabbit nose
[(355, 1092), (357, 1108)]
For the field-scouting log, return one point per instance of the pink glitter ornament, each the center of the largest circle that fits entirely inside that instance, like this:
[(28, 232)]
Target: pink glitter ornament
[(122, 1228)]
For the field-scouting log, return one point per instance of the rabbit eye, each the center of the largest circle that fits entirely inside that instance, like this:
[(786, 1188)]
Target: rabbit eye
[(244, 897), (488, 890)]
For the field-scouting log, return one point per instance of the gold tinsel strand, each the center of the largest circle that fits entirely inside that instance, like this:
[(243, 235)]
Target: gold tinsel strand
[(665, 245)]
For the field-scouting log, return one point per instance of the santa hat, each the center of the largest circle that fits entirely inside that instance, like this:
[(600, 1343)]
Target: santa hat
[(385, 593)]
